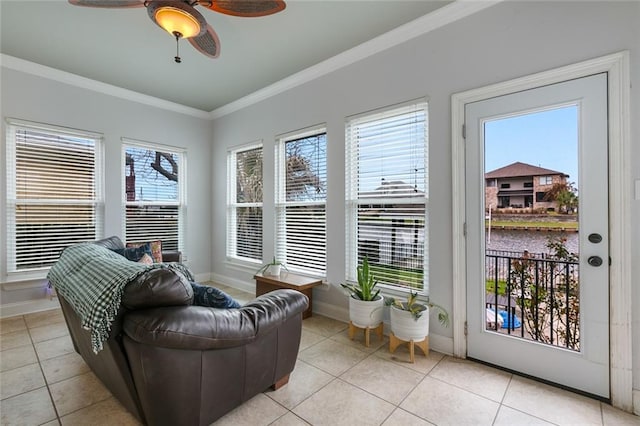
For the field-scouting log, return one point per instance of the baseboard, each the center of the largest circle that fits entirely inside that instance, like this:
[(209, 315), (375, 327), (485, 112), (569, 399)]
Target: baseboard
[(28, 307), (331, 311), (437, 342), (249, 287), (202, 278)]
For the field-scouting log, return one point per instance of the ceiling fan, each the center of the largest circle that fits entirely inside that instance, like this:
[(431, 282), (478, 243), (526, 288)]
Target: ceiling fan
[(181, 19)]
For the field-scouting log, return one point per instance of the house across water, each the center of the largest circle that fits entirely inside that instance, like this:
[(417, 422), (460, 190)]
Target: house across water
[(520, 185)]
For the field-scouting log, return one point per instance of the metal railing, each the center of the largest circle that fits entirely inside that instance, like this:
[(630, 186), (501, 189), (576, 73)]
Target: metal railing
[(536, 296)]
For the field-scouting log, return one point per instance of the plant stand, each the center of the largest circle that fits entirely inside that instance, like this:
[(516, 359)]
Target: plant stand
[(394, 342), (378, 330)]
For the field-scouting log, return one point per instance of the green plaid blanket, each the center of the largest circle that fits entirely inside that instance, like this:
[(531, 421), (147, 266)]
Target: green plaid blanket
[(92, 279)]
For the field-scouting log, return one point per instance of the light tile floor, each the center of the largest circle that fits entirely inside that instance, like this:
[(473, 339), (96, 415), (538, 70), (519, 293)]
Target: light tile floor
[(336, 382)]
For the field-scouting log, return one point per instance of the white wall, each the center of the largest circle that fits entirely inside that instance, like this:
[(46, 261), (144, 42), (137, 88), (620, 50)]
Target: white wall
[(503, 42), (28, 97)]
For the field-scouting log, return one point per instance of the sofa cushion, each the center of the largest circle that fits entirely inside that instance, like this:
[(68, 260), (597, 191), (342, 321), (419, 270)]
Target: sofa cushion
[(158, 287), (204, 295), (155, 247), (146, 259), (136, 253), (111, 243)]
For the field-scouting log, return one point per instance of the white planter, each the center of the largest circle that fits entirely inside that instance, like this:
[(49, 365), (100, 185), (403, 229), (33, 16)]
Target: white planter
[(273, 270), (406, 328), (366, 314)]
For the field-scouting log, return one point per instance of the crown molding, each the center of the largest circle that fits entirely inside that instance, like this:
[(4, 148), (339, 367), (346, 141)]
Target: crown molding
[(440, 17), (17, 64)]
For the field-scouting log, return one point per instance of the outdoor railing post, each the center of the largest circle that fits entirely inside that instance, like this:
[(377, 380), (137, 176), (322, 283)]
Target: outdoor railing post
[(495, 291), (537, 311), (509, 320), (567, 326), (522, 286), (552, 268)]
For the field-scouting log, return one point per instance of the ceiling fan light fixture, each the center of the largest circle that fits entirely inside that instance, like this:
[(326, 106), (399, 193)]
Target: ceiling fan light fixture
[(176, 21), (177, 18)]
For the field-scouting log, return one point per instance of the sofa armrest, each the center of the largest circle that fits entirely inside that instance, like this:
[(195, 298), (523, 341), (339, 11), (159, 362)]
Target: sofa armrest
[(203, 328), (172, 256)]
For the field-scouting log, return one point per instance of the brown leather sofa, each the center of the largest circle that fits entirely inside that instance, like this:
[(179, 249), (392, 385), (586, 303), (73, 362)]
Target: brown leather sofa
[(171, 363)]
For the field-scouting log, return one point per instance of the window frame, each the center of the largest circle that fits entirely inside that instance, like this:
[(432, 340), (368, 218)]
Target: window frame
[(12, 271), (353, 201), (281, 204), (545, 180), (232, 206), (181, 201)]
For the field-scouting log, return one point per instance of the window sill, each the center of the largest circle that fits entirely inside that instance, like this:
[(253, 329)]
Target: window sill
[(395, 292), (24, 284), (14, 279)]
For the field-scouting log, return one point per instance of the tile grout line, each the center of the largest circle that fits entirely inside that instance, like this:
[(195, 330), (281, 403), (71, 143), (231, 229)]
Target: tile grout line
[(44, 377)]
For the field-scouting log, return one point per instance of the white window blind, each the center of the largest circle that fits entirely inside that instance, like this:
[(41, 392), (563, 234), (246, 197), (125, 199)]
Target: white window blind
[(301, 194), (244, 203), (54, 193), (387, 195), (154, 190)]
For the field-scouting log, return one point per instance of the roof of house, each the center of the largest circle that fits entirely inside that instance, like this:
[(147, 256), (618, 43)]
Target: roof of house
[(519, 169), (396, 188)]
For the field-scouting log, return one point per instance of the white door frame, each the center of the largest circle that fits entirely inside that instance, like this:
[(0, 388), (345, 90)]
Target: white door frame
[(617, 68)]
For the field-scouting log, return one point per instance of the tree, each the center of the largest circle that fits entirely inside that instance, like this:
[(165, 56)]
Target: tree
[(249, 176), (147, 169), (303, 182), (548, 294), (565, 195), (159, 166)]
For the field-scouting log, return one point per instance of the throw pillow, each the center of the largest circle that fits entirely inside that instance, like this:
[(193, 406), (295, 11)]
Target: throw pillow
[(134, 254), (204, 295), (156, 249), (146, 259)]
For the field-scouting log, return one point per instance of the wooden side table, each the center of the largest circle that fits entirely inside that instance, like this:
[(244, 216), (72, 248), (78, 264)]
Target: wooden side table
[(267, 283)]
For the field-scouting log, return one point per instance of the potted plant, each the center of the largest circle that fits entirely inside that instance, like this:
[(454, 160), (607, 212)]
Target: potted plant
[(272, 268), (365, 303), (410, 322)]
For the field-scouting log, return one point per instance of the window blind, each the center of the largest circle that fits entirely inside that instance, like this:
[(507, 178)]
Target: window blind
[(244, 203), (301, 194), (154, 194), (54, 193), (387, 195)]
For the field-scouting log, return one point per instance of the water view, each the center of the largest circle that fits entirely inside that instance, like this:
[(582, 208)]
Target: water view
[(531, 241)]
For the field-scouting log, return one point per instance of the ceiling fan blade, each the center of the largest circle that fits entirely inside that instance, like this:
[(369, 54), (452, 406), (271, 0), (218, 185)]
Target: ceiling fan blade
[(208, 43), (245, 8), (108, 3)]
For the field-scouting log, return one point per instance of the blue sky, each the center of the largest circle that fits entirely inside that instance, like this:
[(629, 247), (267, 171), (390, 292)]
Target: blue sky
[(547, 139)]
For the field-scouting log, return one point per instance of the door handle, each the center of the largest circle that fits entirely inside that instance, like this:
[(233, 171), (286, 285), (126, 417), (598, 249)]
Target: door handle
[(594, 260)]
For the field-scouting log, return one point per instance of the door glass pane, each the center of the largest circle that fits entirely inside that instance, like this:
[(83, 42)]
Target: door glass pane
[(531, 226)]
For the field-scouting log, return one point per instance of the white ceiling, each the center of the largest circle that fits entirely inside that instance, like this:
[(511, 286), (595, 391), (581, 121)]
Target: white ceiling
[(124, 48)]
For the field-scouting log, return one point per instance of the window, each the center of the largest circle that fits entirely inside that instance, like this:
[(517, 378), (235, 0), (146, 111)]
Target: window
[(54, 193), (244, 203), (387, 195), (527, 185), (505, 185), (541, 196), (301, 195), (546, 180), (154, 193)]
